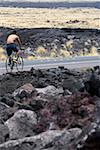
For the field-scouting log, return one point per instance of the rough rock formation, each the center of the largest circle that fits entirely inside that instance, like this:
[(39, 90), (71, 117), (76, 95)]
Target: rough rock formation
[(57, 42), (50, 109)]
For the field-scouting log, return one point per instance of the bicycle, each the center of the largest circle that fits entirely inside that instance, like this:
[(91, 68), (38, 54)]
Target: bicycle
[(15, 61)]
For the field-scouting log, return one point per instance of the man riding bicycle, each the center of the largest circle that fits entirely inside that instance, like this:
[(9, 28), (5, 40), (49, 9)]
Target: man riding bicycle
[(12, 41)]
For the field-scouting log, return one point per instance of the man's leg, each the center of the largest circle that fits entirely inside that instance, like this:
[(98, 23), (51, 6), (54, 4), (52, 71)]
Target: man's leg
[(16, 50), (9, 63), (9, 52)]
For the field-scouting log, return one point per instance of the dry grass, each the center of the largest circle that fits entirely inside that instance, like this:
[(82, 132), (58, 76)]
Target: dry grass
[(41, 51), (2, 55), (64, 53), (33, 17), (93, 51), (69, 44)]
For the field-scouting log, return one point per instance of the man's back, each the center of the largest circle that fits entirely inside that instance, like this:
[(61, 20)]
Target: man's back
[(13, 41), (12, 38)]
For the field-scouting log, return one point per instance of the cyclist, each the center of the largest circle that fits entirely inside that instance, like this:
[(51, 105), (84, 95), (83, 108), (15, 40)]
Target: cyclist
[(12, 40)]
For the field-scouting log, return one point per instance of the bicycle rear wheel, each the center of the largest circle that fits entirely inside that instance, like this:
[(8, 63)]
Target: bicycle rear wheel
[(9, 67), (19, 64)]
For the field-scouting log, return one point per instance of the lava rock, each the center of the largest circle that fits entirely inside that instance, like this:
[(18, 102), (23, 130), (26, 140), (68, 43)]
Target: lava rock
[(21, 124)]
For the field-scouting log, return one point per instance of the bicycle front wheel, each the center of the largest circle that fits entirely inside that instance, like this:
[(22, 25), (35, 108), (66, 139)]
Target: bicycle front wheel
[(19, 64)]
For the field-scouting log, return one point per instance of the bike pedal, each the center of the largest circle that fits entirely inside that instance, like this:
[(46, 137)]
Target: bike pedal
[(19, 63), (15, 61), (9, 64), (11, 67)]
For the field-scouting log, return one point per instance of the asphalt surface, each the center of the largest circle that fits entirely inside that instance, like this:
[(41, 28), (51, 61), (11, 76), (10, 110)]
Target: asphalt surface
[(70, 63)]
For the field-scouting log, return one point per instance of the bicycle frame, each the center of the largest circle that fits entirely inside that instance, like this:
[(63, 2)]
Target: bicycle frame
[(16, 62)]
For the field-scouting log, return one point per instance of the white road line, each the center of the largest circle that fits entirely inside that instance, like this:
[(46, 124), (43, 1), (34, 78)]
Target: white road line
[(69, 65)]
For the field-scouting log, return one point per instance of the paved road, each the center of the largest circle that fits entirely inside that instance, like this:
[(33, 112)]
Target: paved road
[(70, 63)]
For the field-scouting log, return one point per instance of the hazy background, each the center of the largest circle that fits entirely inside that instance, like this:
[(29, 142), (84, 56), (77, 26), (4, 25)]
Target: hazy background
[(50, 3), (51, 0)]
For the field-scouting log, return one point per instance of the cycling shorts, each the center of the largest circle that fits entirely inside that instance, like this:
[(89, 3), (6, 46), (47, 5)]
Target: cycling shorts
[(10, 48)]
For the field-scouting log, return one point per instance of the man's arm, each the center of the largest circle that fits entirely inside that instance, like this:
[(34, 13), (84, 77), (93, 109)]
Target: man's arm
[(19, 41)]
